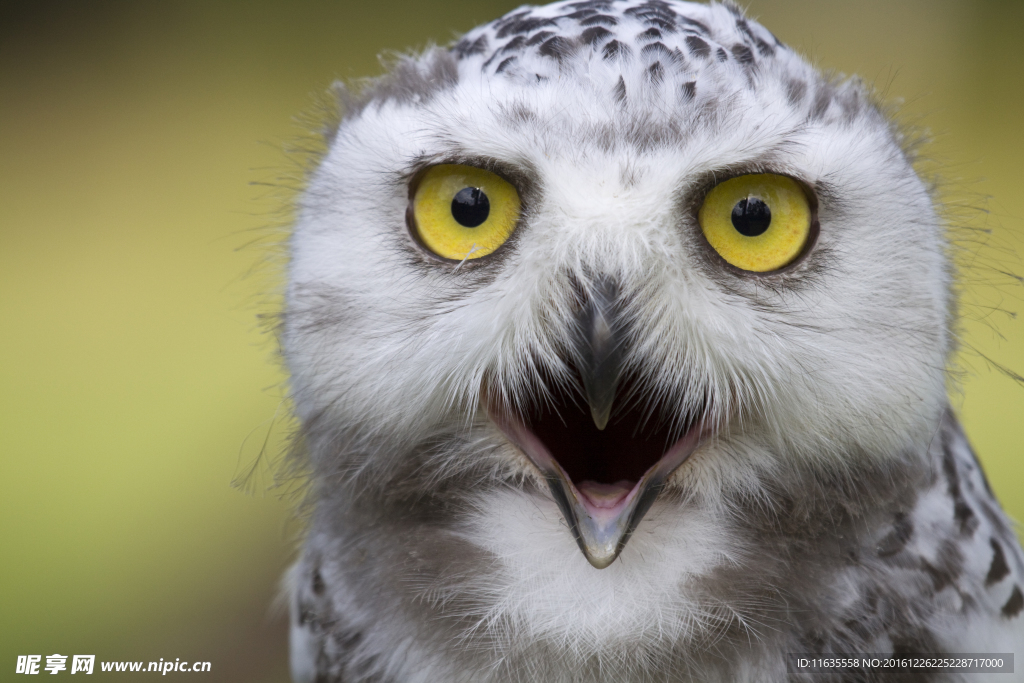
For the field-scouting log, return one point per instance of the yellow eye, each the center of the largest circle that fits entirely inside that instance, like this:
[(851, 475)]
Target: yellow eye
[(759, 222), (463, 212)]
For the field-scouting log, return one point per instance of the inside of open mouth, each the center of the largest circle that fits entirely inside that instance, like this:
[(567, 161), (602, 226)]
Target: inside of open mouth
[(605, 464)]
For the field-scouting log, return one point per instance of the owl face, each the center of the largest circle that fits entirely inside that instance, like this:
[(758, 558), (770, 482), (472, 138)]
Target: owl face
[(609, 253)]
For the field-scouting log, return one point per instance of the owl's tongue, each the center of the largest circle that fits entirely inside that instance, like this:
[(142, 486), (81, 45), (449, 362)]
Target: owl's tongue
[(605, 502), (605, 496)]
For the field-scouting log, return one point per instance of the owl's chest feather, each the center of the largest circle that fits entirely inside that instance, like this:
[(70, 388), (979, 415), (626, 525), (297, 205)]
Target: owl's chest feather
[(938, 571)]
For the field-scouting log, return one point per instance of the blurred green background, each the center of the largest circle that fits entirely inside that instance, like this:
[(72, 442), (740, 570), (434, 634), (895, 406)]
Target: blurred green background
[(145, 173)]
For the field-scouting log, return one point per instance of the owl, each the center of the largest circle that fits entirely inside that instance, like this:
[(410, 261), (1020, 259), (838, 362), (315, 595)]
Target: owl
[(618, 336)]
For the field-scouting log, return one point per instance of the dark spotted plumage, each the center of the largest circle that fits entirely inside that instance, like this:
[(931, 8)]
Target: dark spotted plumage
[(1014, 604), (998, 570), (608, 27), (878, 568)]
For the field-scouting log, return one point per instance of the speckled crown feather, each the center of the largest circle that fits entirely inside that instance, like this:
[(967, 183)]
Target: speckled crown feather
[(678, 36)]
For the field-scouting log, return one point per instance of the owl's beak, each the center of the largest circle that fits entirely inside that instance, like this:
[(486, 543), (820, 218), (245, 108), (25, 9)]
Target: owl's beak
[(603, 480), (601, 518), (600, 345)]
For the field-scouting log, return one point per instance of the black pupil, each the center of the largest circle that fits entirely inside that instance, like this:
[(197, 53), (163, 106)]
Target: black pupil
[(470, 207), (751, 216)]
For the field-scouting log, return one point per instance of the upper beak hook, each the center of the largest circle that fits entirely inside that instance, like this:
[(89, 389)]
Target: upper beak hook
[(600, 347)]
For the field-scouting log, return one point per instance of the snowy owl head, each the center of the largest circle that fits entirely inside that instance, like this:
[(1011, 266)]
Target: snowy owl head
[(609, 253)]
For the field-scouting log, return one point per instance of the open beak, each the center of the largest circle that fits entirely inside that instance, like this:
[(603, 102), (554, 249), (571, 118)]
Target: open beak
[(604, 474)]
